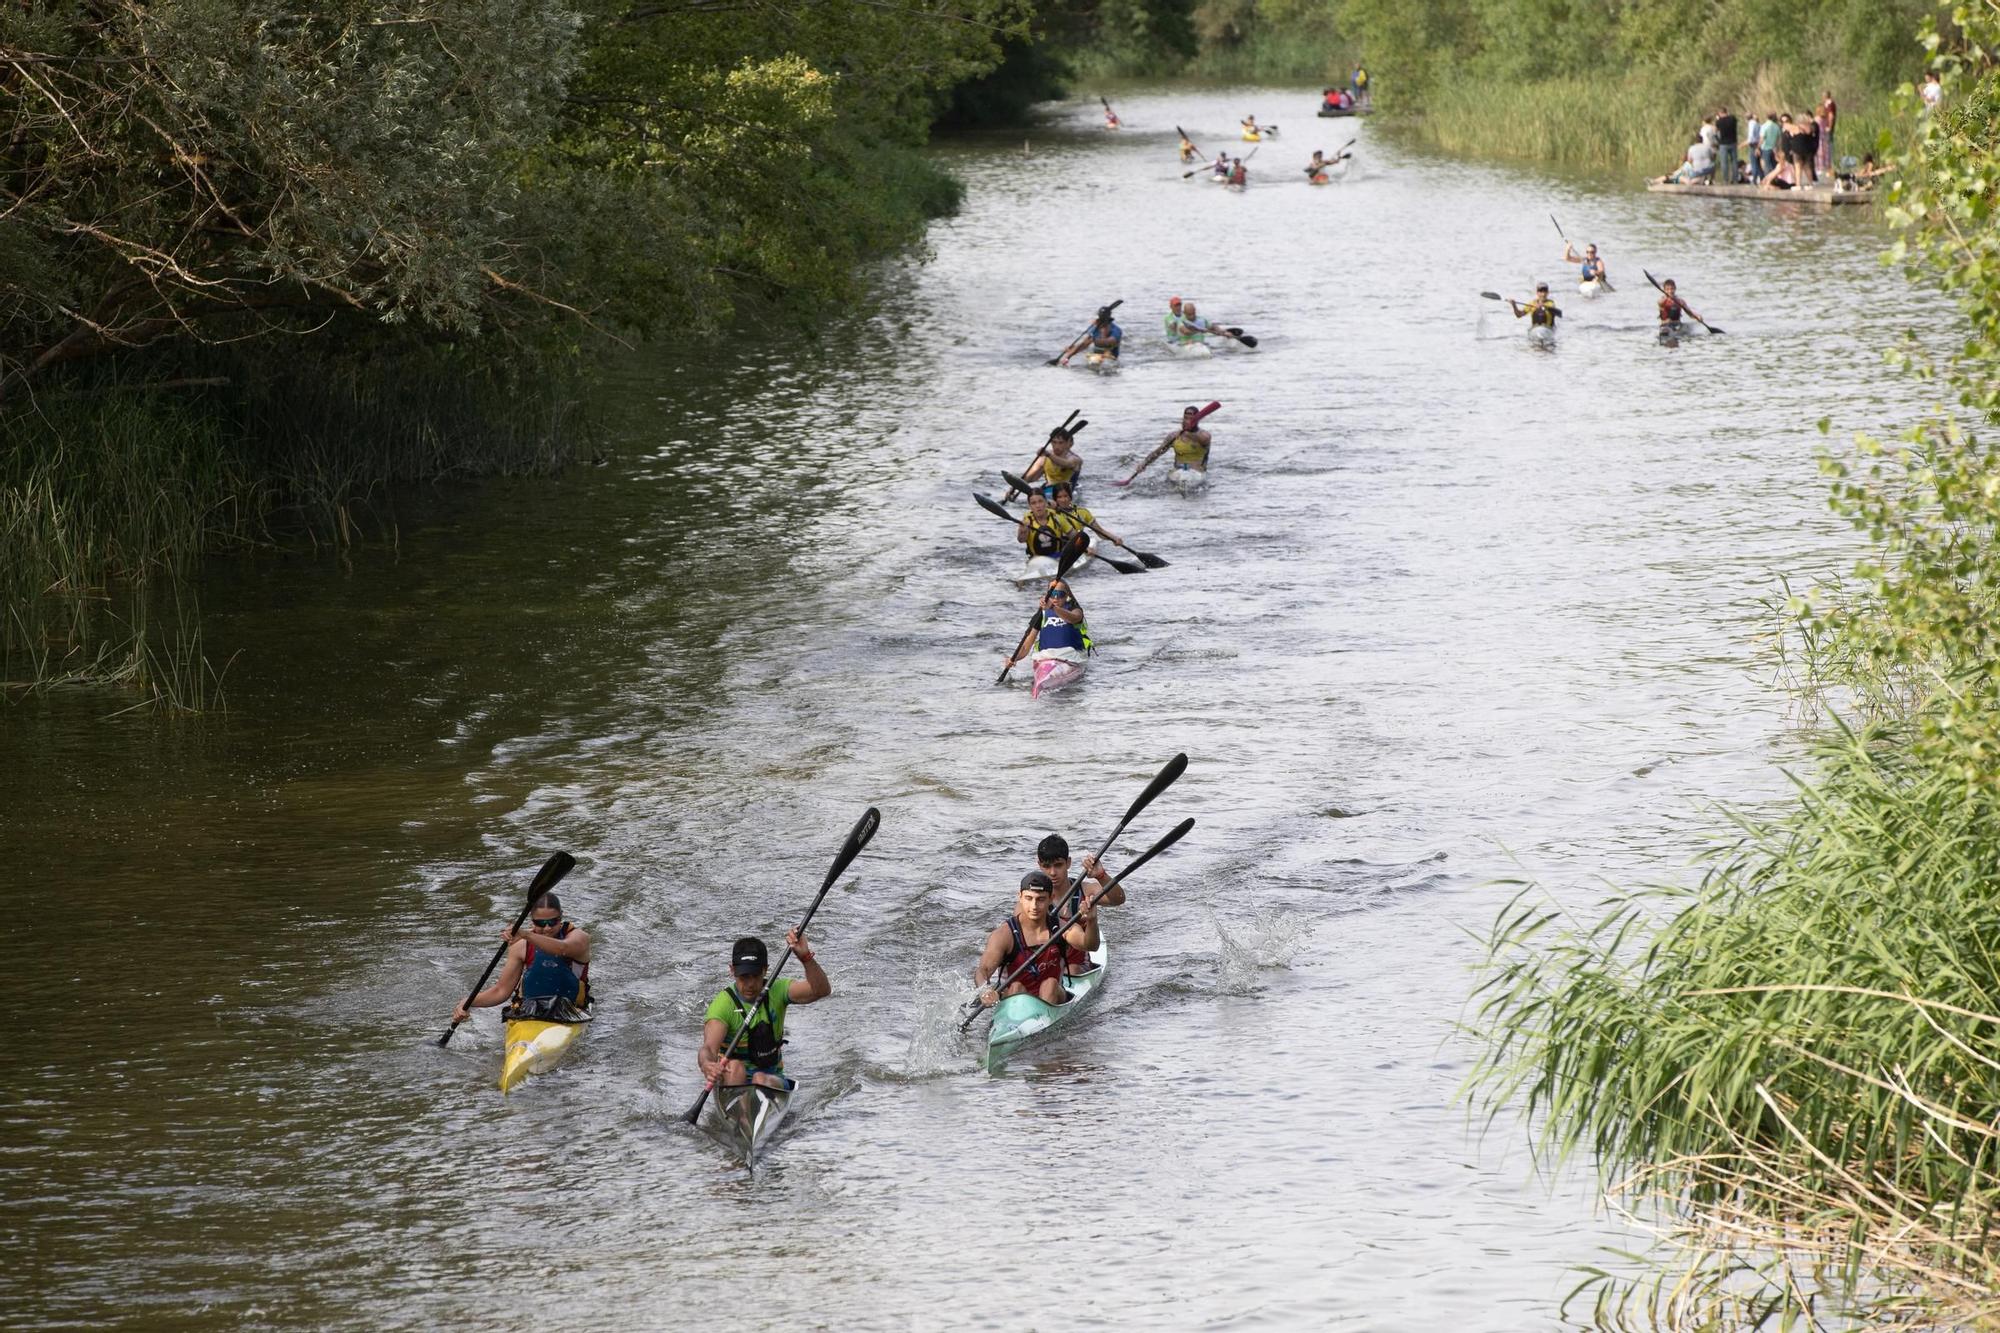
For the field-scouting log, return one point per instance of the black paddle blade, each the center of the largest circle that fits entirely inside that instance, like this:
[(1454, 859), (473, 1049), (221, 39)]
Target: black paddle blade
[(1018, 482), (858, 838), (1066, 420), (1150, 561), (1077, 427), (1122, 566), (1493, 296), (1655, 281), (1163, 780), (1246, 340), (550, 875), (993, 506), (1072, 553)]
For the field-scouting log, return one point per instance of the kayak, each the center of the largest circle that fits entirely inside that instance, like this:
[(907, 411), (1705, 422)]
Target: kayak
[(1187, 478), (1542, 335), (1042, 568), (1251, 136), (1019, 1019), (1104, 363), (1591, 290), (534, 1047), (748, 1114), (1191, 351), (1053, 673), (1676, 331)]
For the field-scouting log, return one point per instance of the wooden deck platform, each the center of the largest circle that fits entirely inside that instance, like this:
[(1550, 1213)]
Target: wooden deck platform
[(1822, 196)]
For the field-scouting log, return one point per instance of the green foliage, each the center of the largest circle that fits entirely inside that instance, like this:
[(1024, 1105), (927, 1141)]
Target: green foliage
[(1793, 1064)]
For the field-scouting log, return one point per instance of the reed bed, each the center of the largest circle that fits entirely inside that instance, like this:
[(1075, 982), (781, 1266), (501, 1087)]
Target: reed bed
[(1792, 1069)]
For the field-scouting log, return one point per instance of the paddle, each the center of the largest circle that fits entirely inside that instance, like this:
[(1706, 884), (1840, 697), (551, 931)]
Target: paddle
[(1190, 143), (1110, 115), (1045, 448), (1069, 557), (974, 1008), (1697, 318), (1603, 282), (1162, 780), (1148, 560), (1340, 154), (992, 506), (1057, 358), (864, 829), (1199, 417), (545, 879)]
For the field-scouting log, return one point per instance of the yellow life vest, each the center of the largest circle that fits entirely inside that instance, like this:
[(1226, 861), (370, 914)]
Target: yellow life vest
[(1045, 537), (1071, 521), (1053, 472), (1190, 452)]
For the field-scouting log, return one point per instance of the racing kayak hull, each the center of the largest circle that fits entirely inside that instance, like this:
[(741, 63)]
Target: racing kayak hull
[(1187, 478), (1041, 568), (1191, 351), (534, 1047), (1020, 1020), (1054, 673), (1104, 363), (748, 1114), (1541, 335), (1591, 290)]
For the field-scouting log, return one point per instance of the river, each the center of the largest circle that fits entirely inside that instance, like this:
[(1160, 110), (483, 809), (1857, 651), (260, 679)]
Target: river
[(1453, 612)]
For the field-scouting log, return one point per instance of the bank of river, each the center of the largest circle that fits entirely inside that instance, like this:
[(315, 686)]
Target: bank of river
[(1453, 610)]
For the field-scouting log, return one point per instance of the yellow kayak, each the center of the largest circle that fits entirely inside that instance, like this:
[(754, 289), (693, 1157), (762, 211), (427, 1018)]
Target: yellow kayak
[(534, 1047), (1252, 137)]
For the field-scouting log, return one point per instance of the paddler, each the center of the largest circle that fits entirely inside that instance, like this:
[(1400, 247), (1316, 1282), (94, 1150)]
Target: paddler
[(1541, 312), (1220, 167), (760, 1056), (1239, 175), (1103, 335), (1037, 530), (1052, 856), (547, 972), (1060, 632), (1190, 445), (1316, 169), (1191, 327), (1070, 518), (1590, 267), (1010, 943), (1188, 151), (1058, 463), (1250, 130), (1672, 307)]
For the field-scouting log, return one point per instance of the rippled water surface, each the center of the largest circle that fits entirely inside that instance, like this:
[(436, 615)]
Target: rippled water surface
[(1453, 610)]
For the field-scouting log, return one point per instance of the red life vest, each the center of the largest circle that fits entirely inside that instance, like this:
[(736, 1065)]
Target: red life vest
[(1048, 964)]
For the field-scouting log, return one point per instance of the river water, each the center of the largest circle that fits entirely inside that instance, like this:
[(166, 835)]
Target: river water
[(1453, 611)]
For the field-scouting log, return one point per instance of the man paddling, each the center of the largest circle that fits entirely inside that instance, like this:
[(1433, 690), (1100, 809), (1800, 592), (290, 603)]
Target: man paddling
[(760, 1056), (1590, 267), (1010, 943), (1190, 445), (1672, 308), (1052, 856), (1541, 312), (1059, 633), (1038, 530), (1188, 151), (1059, 462), (1316, 169), (1190, 326), (1239, 175), (1069, 518), (1220, 167), (547, 972), (1103, 336)]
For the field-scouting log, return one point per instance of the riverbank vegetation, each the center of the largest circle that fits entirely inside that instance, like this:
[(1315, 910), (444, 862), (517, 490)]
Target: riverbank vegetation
[(1794, 1068), (259, 259)]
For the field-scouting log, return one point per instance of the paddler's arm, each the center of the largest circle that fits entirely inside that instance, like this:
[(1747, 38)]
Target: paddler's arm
[(1082, 342), (714, 1035), (1069, 615), (990, 958), (1084, 934), (815, 986), (1105, 532), (1518, 311), (1022, 531), (1570, 256), (574, 946), (1021, 650), (1093, 869), (503, 985)]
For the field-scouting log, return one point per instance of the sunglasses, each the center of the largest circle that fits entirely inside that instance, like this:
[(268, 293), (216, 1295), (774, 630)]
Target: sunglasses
[(545, 920)]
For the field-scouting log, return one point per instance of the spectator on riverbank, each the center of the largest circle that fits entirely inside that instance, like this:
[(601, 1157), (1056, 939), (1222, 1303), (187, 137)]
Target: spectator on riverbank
[(1697, 166), (1710, 136), (1932, 92), (1725, 146), (1753, 156), (1768, 162), (1828, 113)]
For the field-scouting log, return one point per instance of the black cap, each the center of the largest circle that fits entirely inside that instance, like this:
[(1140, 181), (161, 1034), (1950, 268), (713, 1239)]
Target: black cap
[(1104, 312), (749, 957), (1035, 879)]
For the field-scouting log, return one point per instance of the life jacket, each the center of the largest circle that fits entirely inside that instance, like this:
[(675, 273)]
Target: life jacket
[(1542, 314), (1044, 537), (1189, 452), (1671, 310), (1048, 964), (1070, 521), (1054, 471), (548, 976), (763, 1046), (1058, 635), (1593, 269)]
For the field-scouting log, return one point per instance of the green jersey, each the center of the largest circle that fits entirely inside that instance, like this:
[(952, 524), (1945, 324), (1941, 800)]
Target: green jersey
[(763, 1047)]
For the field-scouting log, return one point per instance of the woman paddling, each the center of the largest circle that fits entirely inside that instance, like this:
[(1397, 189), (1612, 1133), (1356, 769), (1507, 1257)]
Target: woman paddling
[(1190, 445), (1059, 642)]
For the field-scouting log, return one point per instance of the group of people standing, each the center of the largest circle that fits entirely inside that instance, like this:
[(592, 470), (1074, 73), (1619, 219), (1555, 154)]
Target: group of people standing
[(1777, 150)]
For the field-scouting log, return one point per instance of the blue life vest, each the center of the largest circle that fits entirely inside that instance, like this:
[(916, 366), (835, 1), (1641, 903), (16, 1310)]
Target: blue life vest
[(1057, 633), (549, 976), (1592, 269)]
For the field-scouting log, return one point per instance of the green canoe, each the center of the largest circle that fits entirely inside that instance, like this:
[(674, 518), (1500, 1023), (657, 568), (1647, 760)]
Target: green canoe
[(1021, 1019)]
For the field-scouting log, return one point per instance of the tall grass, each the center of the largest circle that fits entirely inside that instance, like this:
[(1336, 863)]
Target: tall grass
[(1794, 1068)]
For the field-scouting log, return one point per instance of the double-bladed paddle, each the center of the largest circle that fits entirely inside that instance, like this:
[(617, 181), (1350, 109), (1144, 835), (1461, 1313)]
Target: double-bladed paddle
[(1190, 143), (1162, 780), (1340, 154), (1071, 346), (1146, 558), (545, 879), (1071, 554), (864, 829), (1691, 314), (998, 510)]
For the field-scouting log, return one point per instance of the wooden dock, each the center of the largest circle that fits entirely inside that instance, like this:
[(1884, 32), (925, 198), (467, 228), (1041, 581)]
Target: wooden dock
[(1820, 196)]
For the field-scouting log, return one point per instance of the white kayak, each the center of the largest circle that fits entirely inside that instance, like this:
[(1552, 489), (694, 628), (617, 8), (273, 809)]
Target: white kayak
[(1104, 363), (1187, 478), (1191, 351), (1041, 568), (1542, 335), (1590, 290)]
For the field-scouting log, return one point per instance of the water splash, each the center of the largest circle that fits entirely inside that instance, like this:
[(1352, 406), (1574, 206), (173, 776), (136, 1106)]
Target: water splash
[(1255, 941)]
